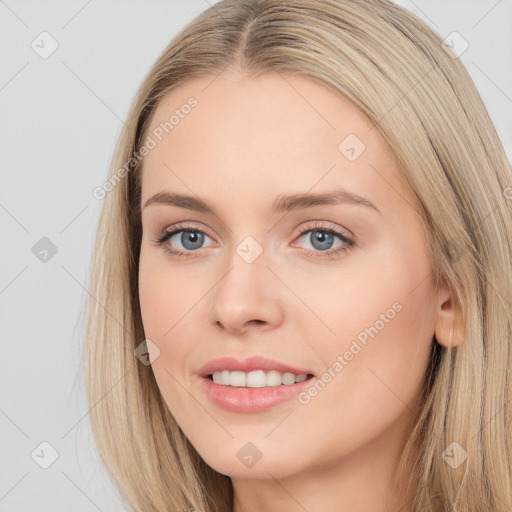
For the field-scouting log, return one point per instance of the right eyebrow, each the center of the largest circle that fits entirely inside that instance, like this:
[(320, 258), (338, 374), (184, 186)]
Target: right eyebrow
[(182, 201)]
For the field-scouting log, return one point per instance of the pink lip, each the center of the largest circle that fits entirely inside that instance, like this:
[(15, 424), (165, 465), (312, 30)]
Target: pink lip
[(248, 365), (250, 400)]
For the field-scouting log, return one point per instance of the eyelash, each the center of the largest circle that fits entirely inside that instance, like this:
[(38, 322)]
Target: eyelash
[(329, 254)]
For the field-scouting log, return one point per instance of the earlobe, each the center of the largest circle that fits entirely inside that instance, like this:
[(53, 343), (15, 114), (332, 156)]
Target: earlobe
[(449, 330)]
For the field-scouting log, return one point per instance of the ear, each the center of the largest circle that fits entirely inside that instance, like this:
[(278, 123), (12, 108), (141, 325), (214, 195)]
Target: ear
[(448, 330)]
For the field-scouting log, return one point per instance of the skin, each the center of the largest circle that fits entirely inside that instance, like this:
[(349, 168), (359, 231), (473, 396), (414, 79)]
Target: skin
[(248, 141)]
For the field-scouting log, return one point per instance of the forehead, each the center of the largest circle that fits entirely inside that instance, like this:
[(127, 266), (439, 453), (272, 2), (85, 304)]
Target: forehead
[(263, 134), (272, 108)]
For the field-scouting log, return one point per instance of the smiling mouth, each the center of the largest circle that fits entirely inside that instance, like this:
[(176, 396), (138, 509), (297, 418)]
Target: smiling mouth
[(257, 378)]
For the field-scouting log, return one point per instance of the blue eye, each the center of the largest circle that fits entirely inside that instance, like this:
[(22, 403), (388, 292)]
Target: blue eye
[(322, 241), (190, 239)]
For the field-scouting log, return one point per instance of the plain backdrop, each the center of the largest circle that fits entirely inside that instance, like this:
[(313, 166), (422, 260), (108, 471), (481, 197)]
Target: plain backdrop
[(60, 116)]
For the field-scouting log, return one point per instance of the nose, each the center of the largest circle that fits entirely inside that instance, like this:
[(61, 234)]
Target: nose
[(247, 296)]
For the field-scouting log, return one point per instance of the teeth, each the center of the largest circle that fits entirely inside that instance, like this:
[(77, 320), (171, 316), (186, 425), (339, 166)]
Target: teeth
[(274, 378), (257, 378)]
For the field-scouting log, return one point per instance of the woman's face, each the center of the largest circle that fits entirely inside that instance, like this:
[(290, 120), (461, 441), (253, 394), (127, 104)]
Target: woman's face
[(337, 288)]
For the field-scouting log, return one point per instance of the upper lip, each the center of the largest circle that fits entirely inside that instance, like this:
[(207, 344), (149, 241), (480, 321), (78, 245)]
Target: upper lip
[(248, 365)]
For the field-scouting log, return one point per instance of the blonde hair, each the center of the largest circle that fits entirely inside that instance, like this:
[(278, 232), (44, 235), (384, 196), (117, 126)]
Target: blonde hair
[(421, 99)]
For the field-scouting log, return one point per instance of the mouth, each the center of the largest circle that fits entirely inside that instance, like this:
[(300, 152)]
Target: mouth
[(257, 378), (245, 392), (252, 385)]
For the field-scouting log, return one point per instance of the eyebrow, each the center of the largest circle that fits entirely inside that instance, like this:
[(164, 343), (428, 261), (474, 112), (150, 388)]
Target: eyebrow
[(281, 204)]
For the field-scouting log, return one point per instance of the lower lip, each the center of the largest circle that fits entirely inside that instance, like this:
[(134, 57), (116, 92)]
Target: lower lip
[(251, 399)]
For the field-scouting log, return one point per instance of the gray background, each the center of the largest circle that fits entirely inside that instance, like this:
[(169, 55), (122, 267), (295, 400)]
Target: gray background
[(59, 120)]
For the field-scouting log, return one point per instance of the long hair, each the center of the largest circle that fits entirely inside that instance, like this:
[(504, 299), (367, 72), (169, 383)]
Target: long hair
[(423, 102)]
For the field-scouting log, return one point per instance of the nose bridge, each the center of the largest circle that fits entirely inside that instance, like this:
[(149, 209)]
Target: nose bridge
[(244, 294)]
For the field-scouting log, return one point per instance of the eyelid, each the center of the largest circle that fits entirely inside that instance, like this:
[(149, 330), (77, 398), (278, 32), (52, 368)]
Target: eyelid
[(327, 225), (186, 226)]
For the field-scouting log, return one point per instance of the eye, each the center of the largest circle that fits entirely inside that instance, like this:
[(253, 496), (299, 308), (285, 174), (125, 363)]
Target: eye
[(185, 241), (322, 239)]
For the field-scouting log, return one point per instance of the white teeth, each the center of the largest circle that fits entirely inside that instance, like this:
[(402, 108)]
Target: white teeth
[(257, 378), (274, 378), (238, 379), (288, 378)]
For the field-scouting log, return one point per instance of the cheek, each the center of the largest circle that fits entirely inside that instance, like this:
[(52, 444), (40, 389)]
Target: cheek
[(169, 301), (374, 370), (167, 294), (156, 300), (381, 319), (365, 297)]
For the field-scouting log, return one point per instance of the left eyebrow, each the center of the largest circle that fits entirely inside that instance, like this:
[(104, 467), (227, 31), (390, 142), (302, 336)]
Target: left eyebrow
[(301, 201), (281, 204)]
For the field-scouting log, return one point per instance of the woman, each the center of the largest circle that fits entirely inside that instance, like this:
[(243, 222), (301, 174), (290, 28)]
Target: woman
[(301, 281)]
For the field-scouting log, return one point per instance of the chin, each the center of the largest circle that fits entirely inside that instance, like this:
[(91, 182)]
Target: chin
[(248, 461)]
